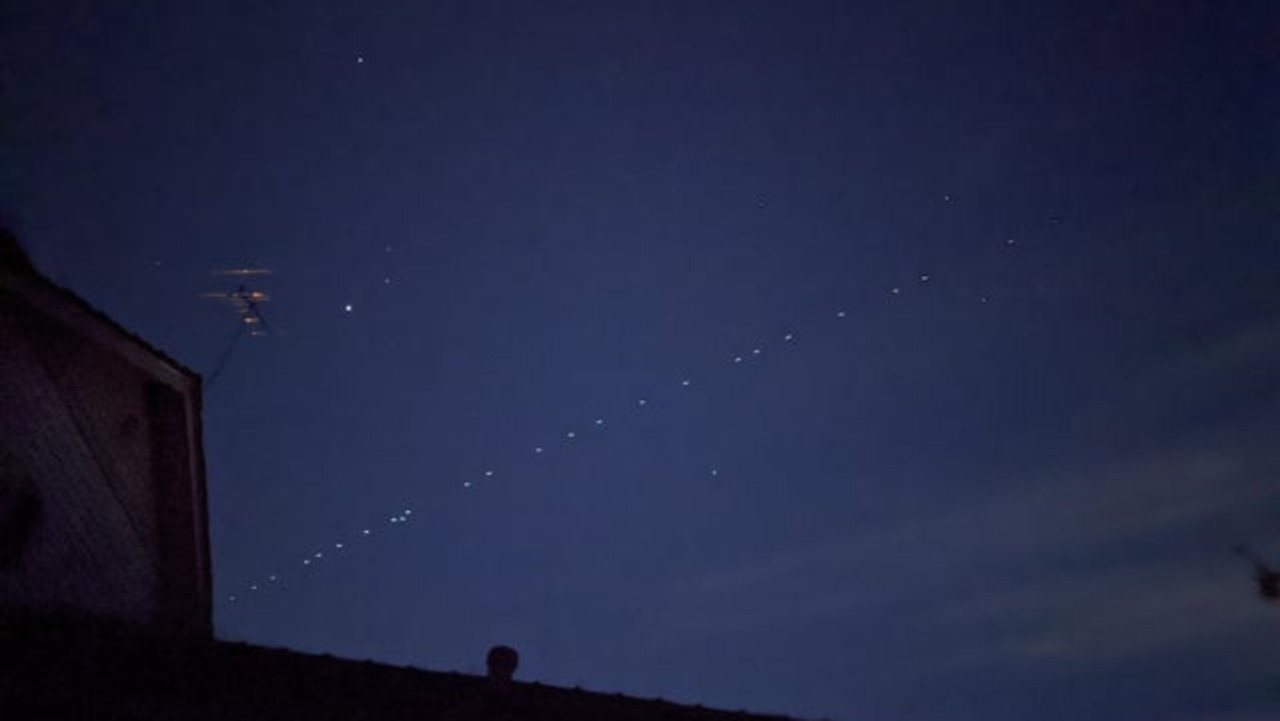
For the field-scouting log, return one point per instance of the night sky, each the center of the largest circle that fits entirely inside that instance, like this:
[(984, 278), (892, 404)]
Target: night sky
[(887, 360)]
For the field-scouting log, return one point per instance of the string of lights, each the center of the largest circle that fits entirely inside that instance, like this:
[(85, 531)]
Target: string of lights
[(752, 354)]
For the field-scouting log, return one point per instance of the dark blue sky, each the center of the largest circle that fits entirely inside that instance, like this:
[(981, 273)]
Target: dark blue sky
[(1006, 491)]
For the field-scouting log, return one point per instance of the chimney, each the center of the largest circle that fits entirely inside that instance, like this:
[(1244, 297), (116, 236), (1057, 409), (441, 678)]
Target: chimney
[(502, 662)]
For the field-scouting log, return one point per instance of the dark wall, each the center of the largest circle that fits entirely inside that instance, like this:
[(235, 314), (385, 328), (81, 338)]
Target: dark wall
[(99, 511)]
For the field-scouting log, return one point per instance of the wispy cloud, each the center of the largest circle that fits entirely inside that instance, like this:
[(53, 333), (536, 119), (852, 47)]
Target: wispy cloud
[(1111, 560)]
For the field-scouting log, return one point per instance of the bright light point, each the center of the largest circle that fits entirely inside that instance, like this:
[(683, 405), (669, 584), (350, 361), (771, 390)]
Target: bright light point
[(755, 351), (684, 382), (599, 421), (272, 577), (788, 337), (946, 198), (386, 281), (306, 561), (488, 474), (359, 60), (231, 599), (924, 279), (348, 307), (840, 314), (643, 402), (895, 291), (715, 471), (408, 512), (338, 545), (365, 532), (1010, 241), (394, 519), (466, 484), (571, 434), (737, 359), (538, 449), (253, 587), (319, 554), (984, 299)]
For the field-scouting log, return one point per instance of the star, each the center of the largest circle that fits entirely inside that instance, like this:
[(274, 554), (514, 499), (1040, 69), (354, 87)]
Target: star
[(359, 60), (538, 449), (365, 532), (599, 421), (924, 279), (788, 337), (643, 402), (348, 307), (571, 434), (253, 587), (231, 599), (466, 484), (488, 474), (840, 314), (337, 545), (737, 359), (685, 382), (895, 291)]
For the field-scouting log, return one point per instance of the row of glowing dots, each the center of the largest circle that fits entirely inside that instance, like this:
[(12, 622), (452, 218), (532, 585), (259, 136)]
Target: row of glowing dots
[(599, 423), (272, 578), (737, 360)]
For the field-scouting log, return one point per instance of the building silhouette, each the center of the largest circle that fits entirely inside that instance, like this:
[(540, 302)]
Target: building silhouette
[(105, 592)]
